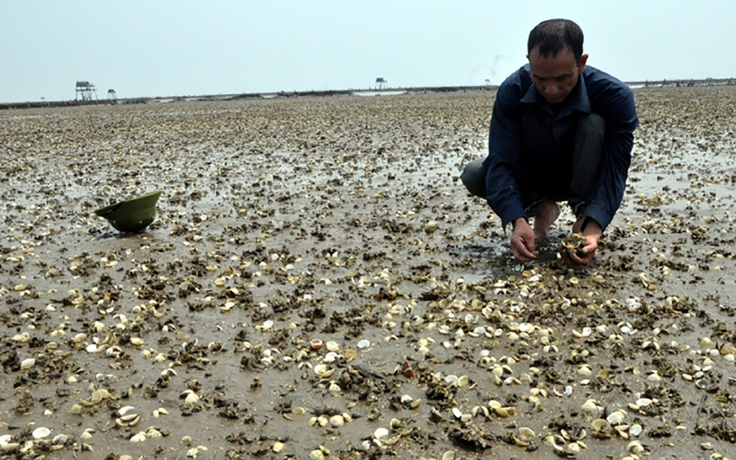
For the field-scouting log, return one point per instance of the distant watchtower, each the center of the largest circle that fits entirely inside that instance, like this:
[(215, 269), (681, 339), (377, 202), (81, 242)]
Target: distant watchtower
[(112, 95), (85, 91), (381, 83)]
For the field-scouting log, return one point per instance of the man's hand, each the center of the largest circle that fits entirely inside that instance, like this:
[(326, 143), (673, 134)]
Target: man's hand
[(592, 232), (522, 241)]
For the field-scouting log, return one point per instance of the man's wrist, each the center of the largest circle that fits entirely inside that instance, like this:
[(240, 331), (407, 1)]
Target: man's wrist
[(591, 227), (517, 220), (584, 224)]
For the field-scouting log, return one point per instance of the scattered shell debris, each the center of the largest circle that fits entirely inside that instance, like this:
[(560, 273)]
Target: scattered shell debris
[(318, 284)]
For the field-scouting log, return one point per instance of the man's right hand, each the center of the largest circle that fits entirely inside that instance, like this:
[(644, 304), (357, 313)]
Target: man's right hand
[(522, 241)]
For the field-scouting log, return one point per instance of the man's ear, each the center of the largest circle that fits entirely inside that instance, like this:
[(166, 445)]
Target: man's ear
[(581, 64)]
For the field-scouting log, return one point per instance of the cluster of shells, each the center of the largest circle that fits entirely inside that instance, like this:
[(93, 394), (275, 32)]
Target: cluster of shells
[(574, 244), (319, 285)]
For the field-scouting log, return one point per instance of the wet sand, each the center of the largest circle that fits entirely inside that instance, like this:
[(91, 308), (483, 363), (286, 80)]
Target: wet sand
[(318, 284)]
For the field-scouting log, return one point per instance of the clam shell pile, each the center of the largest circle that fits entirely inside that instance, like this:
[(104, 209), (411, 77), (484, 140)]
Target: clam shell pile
[(318, 284), (574, 244)]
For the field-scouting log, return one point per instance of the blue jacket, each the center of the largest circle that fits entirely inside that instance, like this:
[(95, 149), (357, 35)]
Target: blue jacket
[(523, 119)]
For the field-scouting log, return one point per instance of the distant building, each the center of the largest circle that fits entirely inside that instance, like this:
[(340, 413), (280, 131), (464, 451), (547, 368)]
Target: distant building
[(86, 91), (381, 83)]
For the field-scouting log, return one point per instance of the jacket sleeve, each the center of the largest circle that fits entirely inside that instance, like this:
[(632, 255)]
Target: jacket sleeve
[(621, 121), (504, 152)]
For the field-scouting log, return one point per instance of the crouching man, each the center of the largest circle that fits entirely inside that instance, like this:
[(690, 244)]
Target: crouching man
[(560, 131)]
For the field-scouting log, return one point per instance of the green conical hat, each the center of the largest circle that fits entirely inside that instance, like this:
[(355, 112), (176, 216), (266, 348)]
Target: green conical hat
[(132, 215)]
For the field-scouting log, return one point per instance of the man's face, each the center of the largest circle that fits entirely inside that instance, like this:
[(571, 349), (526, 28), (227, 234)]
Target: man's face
[(555, 76)]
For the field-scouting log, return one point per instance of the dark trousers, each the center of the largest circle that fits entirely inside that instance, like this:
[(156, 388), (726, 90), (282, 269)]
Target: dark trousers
[(587, 162)]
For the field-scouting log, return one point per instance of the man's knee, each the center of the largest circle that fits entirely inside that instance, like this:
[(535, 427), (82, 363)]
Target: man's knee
[(590, 133), (474, 178), (587, 156)]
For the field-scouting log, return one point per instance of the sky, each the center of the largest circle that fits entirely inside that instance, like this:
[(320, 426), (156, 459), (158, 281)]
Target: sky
[(162, 48)]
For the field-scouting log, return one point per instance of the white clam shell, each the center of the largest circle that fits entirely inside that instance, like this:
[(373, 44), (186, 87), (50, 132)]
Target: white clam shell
[(601, 425), (79, 337), (125, 409), (527, 434), (323, 371), (190, 397), (337, 420), (589, 406), (41, 432), (615, 418), (138, 437), (380, 433)]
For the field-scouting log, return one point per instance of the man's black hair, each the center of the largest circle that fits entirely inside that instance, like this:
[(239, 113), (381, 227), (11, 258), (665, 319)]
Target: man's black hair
[(553, 35)]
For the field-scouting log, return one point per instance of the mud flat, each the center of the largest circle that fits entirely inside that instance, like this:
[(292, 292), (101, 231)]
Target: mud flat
[(318, 284)]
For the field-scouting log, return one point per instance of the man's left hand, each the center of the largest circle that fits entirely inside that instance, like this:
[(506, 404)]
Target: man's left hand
[(592, 232)]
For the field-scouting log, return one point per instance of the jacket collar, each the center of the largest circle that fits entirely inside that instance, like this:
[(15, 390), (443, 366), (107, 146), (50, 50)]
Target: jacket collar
[(576, 100)]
